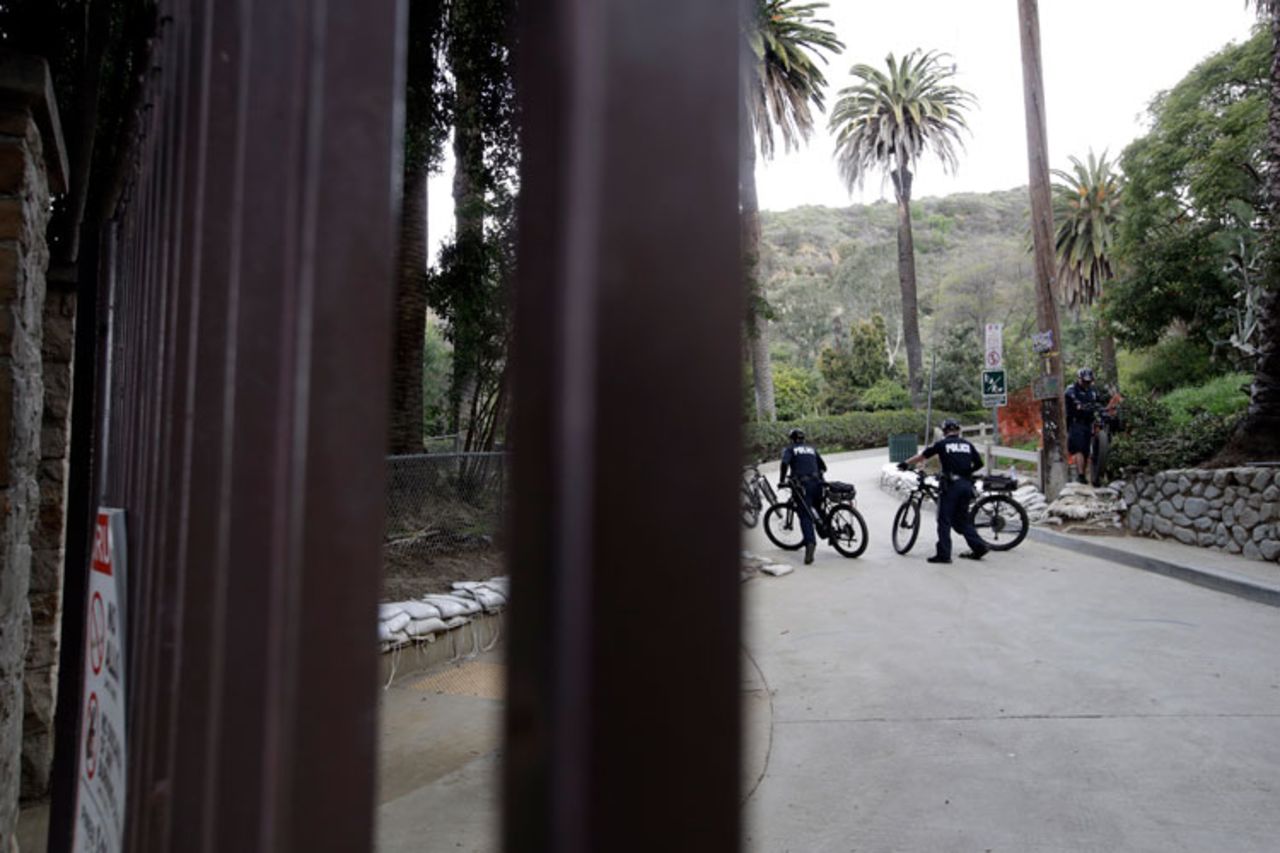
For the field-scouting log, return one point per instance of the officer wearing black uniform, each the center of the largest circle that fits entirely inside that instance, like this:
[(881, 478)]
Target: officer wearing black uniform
[(960, 460), (1083, 401), (805, 464)]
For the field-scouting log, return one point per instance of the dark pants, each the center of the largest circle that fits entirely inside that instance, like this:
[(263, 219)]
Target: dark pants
[(953, 512), (811, 494)]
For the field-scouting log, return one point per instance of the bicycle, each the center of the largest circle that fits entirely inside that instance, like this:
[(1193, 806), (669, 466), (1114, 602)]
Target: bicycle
[(1000, 520), (755, 493), (835, 519), (1105, 421)]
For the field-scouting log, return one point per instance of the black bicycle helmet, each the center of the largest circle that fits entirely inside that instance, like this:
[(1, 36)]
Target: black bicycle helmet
[(950, 425), (796, 436), (1085, 374)]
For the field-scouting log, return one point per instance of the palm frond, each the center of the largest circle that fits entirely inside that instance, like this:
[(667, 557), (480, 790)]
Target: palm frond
[(1086, 206)]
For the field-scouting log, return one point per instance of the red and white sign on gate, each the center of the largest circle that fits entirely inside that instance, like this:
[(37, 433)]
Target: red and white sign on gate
[(994, 357), (100, 792)]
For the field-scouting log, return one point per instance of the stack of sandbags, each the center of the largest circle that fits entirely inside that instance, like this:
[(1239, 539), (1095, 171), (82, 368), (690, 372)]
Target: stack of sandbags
[(418, 621), (900, 483), (1087, 508), (1033, 501)]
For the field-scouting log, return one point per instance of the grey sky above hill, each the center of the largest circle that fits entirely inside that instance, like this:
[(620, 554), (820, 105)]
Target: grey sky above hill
[(1103, 62)]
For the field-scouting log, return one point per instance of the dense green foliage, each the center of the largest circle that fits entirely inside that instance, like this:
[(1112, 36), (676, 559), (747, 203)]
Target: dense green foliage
[(1152, 441), (1176, 361), (1192, 198), (853, 431), (1225, 395), (797, 392)]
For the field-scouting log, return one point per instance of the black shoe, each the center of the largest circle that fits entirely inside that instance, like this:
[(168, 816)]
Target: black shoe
[(1081, 480), (808, 553), (973, 555), (936, 559)]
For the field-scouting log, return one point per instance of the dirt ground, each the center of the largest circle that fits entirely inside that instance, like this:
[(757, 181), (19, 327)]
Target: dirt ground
[(407, 574)]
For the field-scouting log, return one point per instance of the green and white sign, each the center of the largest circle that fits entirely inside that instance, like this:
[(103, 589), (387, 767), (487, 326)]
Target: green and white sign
[(994, 390)]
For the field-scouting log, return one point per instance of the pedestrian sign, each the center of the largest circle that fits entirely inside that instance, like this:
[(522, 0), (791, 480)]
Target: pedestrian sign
[(994, 390)]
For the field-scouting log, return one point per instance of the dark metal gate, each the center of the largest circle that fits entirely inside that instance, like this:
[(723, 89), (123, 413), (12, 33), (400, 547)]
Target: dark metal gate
[(241, 414), (245, 304)]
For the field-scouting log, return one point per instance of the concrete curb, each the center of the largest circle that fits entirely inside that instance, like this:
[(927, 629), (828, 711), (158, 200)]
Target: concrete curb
[(1220, 581)]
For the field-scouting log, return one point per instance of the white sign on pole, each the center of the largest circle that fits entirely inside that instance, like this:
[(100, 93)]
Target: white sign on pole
[(994, 357), (100, 792)]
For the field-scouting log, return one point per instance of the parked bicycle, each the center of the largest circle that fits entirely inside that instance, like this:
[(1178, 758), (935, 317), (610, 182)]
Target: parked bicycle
[(755, 494), (1000, 520), (835, 519), (1106, 421)]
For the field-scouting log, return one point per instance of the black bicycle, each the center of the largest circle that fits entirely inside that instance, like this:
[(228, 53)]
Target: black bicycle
[(755, 494), (1105, 422), (836, 519), (1000, 520)]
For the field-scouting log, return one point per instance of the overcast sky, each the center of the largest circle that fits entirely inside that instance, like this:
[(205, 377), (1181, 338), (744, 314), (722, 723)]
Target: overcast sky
[(1103, 62)]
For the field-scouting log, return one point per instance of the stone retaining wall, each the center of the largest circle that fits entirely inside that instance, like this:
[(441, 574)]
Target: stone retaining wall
[(1230, 509)]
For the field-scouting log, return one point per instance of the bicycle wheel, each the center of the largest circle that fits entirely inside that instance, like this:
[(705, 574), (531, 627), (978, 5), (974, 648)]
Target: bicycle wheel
[(782, 526), (1001, 521), (846, 530), (750, 507), (906, 526), (1098, 459)]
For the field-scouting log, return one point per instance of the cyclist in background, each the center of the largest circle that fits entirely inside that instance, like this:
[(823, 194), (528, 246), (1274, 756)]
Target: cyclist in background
[(1083, 402), (804, 462)]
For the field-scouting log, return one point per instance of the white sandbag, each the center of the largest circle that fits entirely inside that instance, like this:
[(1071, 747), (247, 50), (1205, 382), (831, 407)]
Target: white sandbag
[(384, 633), (451, 606), (421, 610), (502, 584), (395, 623), (467, 585), (778, 569), (426, 626), (489, 599), (456, 622), (386, 611)]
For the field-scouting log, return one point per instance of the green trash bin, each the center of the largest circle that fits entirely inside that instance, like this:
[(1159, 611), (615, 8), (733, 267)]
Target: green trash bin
[(902, 447)]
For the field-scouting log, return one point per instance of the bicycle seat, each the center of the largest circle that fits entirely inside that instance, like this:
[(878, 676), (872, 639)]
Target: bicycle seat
[(837, 488)]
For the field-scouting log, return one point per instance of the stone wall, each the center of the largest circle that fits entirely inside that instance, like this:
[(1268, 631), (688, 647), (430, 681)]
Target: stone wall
[(32, 163), (1230, 509), (40, 688)]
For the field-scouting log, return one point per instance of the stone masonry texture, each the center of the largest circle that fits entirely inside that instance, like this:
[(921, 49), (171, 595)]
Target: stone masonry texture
[(1232, 509), (25, 124)]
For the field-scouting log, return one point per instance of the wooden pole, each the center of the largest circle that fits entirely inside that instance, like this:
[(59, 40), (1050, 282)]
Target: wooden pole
[(1053, 412)]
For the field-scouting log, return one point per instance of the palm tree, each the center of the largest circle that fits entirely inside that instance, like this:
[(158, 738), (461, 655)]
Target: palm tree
[(889, 121), (781, 87), (1086, 205)]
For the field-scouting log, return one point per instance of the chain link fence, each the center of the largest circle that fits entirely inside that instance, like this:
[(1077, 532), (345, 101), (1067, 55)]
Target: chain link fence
[(443, 503)]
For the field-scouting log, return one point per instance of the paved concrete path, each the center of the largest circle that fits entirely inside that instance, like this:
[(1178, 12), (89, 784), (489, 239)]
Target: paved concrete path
[(1037, 701)]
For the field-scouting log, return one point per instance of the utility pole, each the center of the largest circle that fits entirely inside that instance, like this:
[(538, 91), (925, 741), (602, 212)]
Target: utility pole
[(1053, 456)]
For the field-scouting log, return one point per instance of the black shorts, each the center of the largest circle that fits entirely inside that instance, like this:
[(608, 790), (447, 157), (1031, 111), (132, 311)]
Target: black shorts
[(1079, 437)]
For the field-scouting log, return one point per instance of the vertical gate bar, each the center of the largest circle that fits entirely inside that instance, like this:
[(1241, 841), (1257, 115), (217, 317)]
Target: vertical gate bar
[(246, 800), (213, 407), (330, 712), (629, 288)]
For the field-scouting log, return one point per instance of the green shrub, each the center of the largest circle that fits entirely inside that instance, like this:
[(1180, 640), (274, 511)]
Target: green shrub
[(1226, 395), (795, 392), (851, 431), (885, 395), (1153, 442), (1174, 363)]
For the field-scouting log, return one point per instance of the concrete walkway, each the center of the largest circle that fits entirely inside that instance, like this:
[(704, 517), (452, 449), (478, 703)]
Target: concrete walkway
[(1041, 700)]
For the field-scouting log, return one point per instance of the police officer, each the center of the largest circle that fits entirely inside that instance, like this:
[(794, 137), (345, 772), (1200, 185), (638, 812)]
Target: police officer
[(1083, 402), (960, 459), (806, 465)]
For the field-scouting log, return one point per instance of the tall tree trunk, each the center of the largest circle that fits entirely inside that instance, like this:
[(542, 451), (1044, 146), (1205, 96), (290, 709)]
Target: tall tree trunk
[(411, 316), (757, 324), (1107, 343), (907, 284), (1053, 410), (468, 212)]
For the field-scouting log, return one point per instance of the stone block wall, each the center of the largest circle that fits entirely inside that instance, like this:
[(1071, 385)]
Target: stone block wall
[(40, 686), (32, 165), (1229, 509)]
